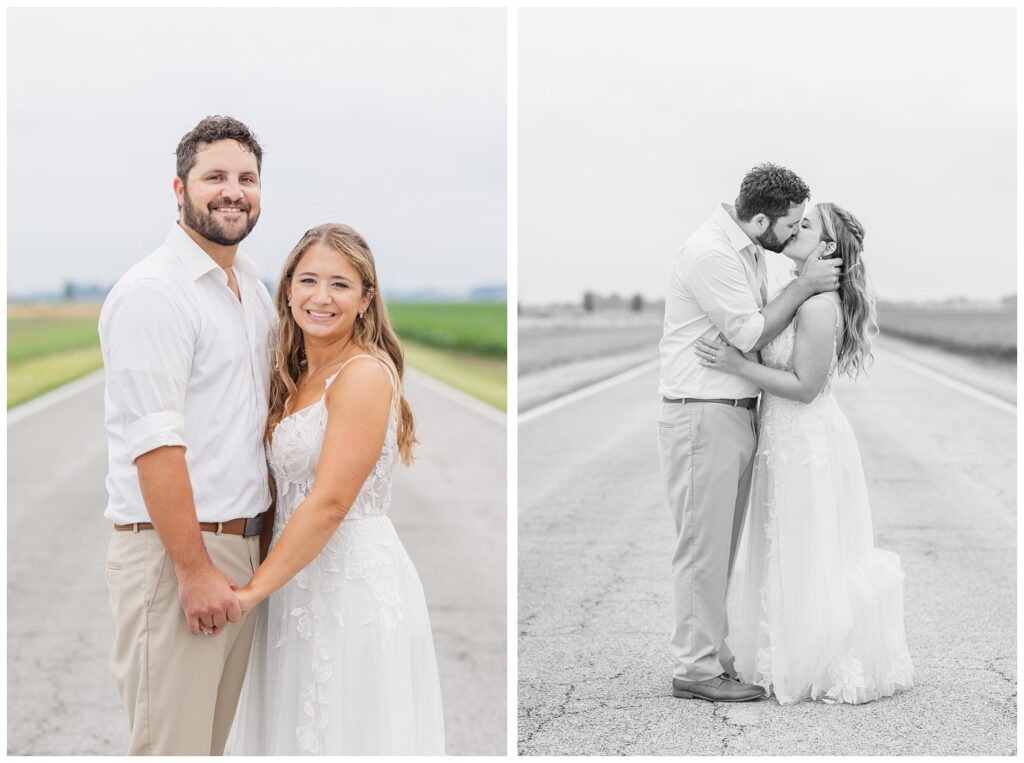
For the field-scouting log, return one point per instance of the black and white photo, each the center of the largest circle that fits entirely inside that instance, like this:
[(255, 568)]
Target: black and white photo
[(767, 381)]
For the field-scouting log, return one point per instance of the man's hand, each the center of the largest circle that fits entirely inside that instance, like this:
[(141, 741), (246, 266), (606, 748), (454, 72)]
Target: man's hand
[(818, 275), (208, 599)]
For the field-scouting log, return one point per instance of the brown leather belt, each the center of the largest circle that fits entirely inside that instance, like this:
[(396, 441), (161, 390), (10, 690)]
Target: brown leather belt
[(743, 402), (246, 527)]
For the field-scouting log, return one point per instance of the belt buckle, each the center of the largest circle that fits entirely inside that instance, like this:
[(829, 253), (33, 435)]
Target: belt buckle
[(736, 402), (253, 526)]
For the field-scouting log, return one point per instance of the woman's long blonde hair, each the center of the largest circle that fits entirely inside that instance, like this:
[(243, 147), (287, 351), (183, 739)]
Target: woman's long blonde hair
[(373, 331), (860, 318)]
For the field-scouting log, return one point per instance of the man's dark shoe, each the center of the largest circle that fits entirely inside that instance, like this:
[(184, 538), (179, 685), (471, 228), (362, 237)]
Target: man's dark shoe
[(718, 689)]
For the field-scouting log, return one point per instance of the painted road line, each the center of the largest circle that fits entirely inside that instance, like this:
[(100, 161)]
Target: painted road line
[(52, 398), (69, 390), (585, 392), (458, 396), (580, 394), (950, 382)]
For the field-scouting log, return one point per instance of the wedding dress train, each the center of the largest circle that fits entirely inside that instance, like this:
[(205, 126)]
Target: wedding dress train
[(815, 610)]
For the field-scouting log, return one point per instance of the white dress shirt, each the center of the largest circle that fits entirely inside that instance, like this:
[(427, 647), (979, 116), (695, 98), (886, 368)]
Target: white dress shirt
[(188, 364), (715, 286)]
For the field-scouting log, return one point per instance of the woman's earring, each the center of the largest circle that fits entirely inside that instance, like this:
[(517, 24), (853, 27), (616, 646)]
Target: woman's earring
[(361, 314), (289, 303)]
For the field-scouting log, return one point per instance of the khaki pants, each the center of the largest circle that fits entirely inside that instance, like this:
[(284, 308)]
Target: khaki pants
[(181, 689), (707, 454)]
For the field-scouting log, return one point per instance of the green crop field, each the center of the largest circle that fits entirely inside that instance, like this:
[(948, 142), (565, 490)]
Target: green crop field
[(987, 333), (473, 327), (48, 346)]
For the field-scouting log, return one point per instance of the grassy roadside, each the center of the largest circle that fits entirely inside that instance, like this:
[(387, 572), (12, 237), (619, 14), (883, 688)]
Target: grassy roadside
[(29, 379), (51, 345), (481, 377)]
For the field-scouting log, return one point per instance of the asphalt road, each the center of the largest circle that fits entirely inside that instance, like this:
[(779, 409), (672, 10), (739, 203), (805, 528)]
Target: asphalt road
[(449, 509), (594, 602)]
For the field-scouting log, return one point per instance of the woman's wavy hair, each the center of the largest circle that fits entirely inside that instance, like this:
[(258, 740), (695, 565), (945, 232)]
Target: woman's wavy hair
[(373, 331), (860, 317)]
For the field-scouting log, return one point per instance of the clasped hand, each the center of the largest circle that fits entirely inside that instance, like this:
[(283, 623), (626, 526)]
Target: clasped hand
[(211, 600)]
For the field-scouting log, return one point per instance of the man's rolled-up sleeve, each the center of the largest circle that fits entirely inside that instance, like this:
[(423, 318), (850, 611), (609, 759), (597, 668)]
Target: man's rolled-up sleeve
[(720, 286), (150, 347)]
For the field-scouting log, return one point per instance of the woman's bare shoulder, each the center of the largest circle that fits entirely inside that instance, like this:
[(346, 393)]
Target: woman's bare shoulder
[(363, 378), (821, 310)]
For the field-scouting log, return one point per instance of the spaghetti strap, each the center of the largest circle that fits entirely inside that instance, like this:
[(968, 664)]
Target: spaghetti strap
[(834, 303), (327, 382), (839, 312), (387, 370), (839, 318), (354, 357)]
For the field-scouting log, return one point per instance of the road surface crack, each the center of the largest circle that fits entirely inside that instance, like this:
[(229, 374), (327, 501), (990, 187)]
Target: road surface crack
[(1010, 677), (559, 713), (721, 712)]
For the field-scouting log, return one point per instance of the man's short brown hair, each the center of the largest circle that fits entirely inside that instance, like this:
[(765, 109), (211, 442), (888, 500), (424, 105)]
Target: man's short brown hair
[(211, 130), (770, 190)]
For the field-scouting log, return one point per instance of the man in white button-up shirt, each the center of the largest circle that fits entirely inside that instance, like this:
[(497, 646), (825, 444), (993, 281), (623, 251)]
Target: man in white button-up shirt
[(706, 424), (184, 335)]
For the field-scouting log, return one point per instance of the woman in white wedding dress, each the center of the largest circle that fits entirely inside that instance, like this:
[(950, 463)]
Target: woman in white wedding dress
[(815, 611), (343, 659)]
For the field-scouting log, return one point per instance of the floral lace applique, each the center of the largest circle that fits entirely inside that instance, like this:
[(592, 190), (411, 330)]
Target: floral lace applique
[(793, 427), (791, 431), (847, 677), (354, 554)]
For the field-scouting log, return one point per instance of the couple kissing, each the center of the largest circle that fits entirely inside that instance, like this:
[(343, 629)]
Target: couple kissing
[(777, 586)]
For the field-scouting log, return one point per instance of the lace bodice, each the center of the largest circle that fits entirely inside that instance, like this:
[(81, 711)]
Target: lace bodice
[(779, 352), (295, 451)]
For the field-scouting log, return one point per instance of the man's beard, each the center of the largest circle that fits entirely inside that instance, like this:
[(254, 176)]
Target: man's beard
[(203, 222), (772, 242)]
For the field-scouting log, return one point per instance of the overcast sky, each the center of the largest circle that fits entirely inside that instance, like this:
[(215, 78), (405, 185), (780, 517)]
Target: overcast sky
[(634, 123), (390, 120)]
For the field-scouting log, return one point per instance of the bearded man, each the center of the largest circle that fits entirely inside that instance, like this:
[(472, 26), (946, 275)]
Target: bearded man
[(184, 337)]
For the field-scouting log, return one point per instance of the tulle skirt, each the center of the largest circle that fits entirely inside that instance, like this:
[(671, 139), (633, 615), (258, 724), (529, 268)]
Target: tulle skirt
[(343, 659), (815, 611)]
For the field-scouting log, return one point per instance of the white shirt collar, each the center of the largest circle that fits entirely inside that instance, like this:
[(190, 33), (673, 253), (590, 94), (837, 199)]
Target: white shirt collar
[(197, 262), (737, 238)]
